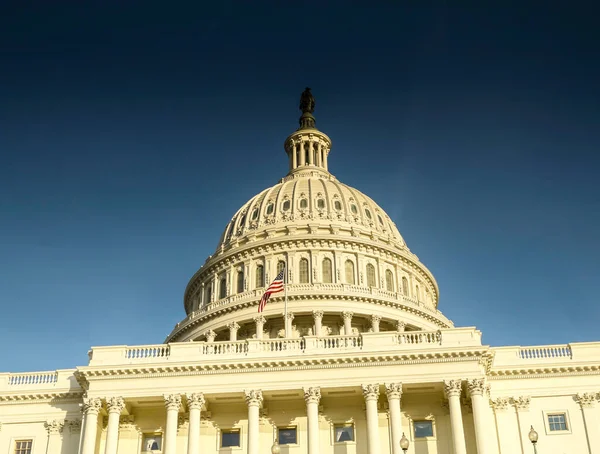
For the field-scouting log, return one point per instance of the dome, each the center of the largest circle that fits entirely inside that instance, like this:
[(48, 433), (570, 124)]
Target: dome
[(345, 265)]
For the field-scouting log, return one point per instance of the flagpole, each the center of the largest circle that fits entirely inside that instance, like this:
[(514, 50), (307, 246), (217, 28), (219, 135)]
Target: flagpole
[(285, 310)]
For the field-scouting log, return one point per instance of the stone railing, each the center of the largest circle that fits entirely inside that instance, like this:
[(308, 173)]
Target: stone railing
[(308, 345), (32, 382), (33, 378), (541, 355), (546, 351)]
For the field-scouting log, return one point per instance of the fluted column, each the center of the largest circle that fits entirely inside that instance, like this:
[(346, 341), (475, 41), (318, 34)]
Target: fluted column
[(347, 316), (453, 389), (311, 152), (587, 401), (522, 403), (394, 394), (210, 335), (371, 393), (325, 158), (173, 404), (254, 399), (302, 153), (312, 396), (477, 391), (195, 401), (91, 408), (233, 329), (260, 321), (375, 320), (318, 317), (54, 429), (115, 406)]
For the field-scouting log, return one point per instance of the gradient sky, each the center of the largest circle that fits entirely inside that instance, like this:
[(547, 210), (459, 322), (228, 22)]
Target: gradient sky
[(129, 136)]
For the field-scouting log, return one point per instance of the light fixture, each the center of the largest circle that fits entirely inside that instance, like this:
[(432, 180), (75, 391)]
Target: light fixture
[(275, 449), (533, 438), (404, 442)]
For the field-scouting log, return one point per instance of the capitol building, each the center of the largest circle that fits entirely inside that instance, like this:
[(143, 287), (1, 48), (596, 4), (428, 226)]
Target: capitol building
[(354, 357)]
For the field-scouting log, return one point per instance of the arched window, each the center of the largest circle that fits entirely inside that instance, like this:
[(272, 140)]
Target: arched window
[(255, 214), (223, 287), (280, 266), (405, 286), (371, 281), (303, 203), (270, 207), (303, 271), (337, 205), (259, 276), (368, 213), (286, 205), (389, 281), (349, 269), (321, 203), (327, 271), (417, 292), (240, 281)]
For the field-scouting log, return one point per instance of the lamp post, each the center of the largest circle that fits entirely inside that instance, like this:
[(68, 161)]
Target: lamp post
[(404, 443), (533, 438), (275, 449)]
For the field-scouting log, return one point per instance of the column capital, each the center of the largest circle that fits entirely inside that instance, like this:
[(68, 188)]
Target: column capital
[(254, 397), (500, 403), (393, 390), (476, 386), (371, 391), (400, 326), (521, 403), (376, 318), (210, 335), (195, 401), (318, 314), (91, 405), (586, 400), (115, 404), (260, 320), (172, 401), (347, 315), (233, 326), (312, 395), (289, 315), (54, 427), (453, 388)]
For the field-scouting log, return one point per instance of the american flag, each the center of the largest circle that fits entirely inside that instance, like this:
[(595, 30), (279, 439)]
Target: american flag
[(275, 287)]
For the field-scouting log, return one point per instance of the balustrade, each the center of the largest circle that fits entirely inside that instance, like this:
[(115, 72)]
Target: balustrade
[(280, 345), (33, 378), (339, 342), (147, 351), (420, 337), (546, 351)]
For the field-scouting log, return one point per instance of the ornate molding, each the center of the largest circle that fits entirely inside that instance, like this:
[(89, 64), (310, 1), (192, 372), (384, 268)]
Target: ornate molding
[(54, 427), (500, 403), (586, 400), (370, 391), (74, 425), (347, 315), (476, 386), (312, 395), (115, 404), (393, 390), (210, 335), (260, 320), (254, 397), (183, 421), (91, 405), (233, 326), (127, 422), (453, 388), (521, 403), (172, 402), (318, 315), (195, 401)]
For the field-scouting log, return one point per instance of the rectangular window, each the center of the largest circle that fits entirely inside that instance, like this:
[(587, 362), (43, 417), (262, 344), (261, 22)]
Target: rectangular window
[(151, 442), (230, 438), (423, 429), (287, 436), (23, 446), (557, 422), (343, 432)]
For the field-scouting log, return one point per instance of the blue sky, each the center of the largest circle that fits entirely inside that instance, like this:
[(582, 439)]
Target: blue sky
[(129, 135)]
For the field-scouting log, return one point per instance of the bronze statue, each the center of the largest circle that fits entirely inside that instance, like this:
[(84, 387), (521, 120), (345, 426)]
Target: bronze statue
[(307, 101)]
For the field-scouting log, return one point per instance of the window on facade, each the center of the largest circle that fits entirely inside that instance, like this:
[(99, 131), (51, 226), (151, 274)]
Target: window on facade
[(303, 203), (343, 432), (557, 422), (242, 220), (380, 220), (306, 161), (230, 438), (371, 281), (152, 442), (337, 205), (389, 281), (405, 286), (255, 214), (286, 205), (417, 292), (423, 429), (321, 203), (270, 208), (208, 294), (260, 276), (327, 271), (287, 436), (349, 269), (368, 213), (280, 266), (354, 209), (223, 288), (303, 271), (240, 281), (23, 446)]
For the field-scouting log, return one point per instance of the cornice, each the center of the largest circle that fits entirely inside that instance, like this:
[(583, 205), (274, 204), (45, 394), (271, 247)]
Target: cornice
[(544, 372), (20, 398)]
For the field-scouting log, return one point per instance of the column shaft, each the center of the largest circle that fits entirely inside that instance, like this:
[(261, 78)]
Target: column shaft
[(302, 152), (254, 400), (311, 153), (195, 402), (453, 389), (91, 408), (371, 393), (318, 317), (481, 433), (312, 396), (112, 433), (173, 403), (394, 393)]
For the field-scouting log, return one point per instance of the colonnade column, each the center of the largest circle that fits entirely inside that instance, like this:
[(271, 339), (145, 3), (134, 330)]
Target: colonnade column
[(311, 153), (400, 326), (301, 153), (115, 406), (91, 408), (371, 393), (394, 394), (294, 153), (233, 329), (54, 429), (260, 321), (318, 317), (319, 148), (453, 390), (347, 316), (195, 401), (210, 335), (312, 396), (477, 391), (375, 319), (522, 403), (288, 323), (173, 404), (325, 157), (254, 399), (587, 401)]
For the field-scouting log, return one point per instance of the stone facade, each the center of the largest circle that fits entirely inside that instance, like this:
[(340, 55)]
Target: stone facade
[(367, 360)]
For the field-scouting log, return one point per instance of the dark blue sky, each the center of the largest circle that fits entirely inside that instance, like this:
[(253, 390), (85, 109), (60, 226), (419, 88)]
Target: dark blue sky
[(129, 135)]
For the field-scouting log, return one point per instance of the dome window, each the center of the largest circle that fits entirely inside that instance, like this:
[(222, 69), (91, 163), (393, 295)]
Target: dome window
[(320, 204), (368, 213), (303, 203), (380, 219), (354, 209), (286, 205), (337, 205), (270, 208), (254, 214)]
